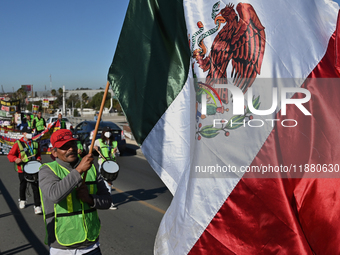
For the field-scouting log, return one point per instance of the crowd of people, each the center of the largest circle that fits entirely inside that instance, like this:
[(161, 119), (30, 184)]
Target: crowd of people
[(34, 122), (29, 122), (71, 187)]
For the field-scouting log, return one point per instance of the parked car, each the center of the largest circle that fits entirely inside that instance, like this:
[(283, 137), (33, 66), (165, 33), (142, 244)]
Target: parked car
[(85, 130), (50, 120)]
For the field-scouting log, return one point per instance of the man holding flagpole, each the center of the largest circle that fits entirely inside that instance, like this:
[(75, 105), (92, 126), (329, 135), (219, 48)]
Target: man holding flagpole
[(70, 206)]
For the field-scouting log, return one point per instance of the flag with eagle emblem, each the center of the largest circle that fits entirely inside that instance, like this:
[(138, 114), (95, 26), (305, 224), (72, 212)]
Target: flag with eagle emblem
[(231, 107)]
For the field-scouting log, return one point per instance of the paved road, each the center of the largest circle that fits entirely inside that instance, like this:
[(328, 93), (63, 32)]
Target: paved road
[(140, 195)]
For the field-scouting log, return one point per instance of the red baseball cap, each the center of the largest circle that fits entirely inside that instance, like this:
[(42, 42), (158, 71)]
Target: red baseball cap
[(60, 137)]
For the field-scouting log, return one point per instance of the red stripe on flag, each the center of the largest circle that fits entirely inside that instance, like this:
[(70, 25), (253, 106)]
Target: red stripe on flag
[(287, 216), (337, 47)]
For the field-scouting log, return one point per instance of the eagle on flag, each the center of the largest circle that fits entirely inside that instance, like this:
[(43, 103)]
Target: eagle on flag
[(242, 40)]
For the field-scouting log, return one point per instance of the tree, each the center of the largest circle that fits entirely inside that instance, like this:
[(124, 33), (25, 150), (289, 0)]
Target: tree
[(56, 104), (53, 92), (85, 98), (76, 113), (60, 91), (96, 101), (72, 100), (116, 105), (21, 94)]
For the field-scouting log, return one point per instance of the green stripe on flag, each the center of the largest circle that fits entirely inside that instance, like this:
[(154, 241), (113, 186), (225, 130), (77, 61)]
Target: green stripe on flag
[(151, 62)]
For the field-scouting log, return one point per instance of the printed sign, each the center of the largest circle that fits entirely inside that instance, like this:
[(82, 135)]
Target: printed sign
[(35, 108), (45, 103)]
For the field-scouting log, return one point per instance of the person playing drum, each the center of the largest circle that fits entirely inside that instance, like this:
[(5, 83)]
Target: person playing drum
[(107, 147), (23, 151)]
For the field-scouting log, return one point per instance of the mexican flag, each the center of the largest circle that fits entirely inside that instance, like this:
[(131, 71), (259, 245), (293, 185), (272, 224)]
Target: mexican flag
[(263, 180)]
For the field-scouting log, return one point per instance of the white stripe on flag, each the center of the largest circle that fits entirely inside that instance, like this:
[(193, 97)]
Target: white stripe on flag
[(167, 147), (296, 41)]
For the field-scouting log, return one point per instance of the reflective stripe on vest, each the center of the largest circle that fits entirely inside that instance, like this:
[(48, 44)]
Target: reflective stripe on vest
[(104, 148), (75, 221), (24, 154), (39, 124)]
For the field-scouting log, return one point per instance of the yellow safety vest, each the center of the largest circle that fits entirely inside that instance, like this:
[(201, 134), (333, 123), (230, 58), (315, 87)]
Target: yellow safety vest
[(75, 221), (104, 148), (26, 152), (39, 124)]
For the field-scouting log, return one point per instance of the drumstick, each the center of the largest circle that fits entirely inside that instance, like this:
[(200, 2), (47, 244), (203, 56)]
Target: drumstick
[(31, 156), (97, 124), (100, 153)]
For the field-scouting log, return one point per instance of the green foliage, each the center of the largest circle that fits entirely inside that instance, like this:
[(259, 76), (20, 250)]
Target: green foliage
[(21, 95), (72, 100), (116, 105), (75, 113), (56, 103), (209, 131), (85, 97), (235, 119), (96, 101)]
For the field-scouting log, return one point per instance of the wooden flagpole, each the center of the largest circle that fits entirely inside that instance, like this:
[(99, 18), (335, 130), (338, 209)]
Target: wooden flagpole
[(97, 124)]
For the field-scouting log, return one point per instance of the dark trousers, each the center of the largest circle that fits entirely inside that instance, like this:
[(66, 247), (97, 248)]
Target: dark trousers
[(35, 189)]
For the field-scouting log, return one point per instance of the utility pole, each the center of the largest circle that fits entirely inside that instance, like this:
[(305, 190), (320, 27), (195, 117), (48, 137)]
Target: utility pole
[(64, 95), (72, 108), (51, 83)]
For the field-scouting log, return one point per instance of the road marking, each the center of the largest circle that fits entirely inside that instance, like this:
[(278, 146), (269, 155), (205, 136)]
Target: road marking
[(140, 201)]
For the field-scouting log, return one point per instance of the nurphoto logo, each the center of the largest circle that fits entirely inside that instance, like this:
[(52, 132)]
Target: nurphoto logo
[(239, 99)]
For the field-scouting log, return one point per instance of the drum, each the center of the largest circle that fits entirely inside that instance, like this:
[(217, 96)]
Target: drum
[(31, 169), (109, 170)]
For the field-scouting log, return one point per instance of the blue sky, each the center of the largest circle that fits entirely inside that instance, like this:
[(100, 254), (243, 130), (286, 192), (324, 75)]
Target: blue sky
[(72, 40)]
